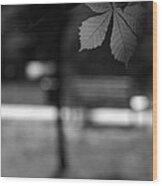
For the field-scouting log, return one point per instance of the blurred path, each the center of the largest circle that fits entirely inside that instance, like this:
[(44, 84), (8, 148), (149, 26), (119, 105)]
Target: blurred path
[(101, 116)]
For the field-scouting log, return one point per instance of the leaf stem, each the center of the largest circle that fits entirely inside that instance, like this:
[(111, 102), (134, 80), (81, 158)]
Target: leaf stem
[(113, 6)]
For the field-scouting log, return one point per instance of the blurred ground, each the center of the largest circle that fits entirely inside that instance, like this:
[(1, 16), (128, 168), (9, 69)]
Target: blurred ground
[(29, 149)]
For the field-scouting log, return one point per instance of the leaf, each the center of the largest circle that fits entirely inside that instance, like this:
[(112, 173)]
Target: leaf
[(132, 23), (99, 7), (93, 31), (135, 10), (133, 15), (123, 41)]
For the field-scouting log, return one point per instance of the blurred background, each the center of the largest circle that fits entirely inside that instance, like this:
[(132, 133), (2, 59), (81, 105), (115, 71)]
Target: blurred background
[(104, 109)]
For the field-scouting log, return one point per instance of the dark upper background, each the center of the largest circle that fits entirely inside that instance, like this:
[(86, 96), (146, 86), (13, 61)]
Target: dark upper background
[(49, 32)]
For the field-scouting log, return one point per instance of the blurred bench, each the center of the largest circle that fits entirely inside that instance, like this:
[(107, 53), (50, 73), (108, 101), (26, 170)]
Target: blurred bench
[(98, 91)]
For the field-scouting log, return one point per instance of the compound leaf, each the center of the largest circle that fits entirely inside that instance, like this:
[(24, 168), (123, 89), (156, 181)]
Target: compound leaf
[(126, 28)]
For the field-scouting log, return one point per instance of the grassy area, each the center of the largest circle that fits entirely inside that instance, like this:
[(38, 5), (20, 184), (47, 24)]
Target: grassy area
[(29, 149)]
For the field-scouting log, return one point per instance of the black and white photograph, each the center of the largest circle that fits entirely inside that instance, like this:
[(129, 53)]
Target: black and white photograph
[(77, 90)]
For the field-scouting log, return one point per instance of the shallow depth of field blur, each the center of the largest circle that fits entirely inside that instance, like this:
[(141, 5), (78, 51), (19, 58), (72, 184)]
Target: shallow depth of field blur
[(106, 108)]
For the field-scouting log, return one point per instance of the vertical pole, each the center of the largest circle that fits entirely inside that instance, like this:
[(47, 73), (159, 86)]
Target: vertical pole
[(62, 162)]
